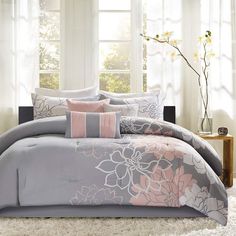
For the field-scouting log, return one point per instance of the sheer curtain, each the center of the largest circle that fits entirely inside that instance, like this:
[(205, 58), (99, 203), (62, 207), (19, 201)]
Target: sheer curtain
[(220, 17), (189, 19), (164, 15), (79, 29), (19, 58), (165, 69)]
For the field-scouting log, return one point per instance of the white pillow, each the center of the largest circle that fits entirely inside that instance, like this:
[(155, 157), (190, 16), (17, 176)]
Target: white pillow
[(126, 110), (131, 95), (45, 106), (87, 92), (149, 106)]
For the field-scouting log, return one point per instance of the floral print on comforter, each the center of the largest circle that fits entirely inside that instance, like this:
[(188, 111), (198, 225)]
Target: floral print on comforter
[(167, 172), (155, 163)]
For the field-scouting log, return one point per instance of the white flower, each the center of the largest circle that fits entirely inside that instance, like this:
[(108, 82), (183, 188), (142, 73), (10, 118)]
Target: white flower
[(95, 196), (124, 166)]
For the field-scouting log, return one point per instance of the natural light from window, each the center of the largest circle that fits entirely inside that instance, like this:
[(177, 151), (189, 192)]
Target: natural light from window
[(49, 47)]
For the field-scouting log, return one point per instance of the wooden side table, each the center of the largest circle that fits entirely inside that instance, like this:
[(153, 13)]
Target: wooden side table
[(228, 146)]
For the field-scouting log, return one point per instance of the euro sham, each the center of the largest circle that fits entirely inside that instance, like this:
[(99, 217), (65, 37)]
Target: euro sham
[(126, 110), (131, 95), (149, 106), (92, 125), (85, 106), (80, 93), (45, 106)]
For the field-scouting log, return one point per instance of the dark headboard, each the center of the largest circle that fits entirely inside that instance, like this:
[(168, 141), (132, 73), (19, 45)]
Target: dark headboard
[(26, 114)]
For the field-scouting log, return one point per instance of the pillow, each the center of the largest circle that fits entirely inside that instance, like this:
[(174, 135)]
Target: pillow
[(149, 107), (45, 106), (126, 110), (87, 92), (83, 106), (92, 125), (156, 92)]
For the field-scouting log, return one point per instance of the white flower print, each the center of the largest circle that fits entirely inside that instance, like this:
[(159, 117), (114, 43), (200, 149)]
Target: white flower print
[(126, 164), (128, 125), (200, 199), (95, 196)]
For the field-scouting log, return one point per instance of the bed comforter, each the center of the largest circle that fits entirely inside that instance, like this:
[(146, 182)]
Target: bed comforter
[(155, 163)]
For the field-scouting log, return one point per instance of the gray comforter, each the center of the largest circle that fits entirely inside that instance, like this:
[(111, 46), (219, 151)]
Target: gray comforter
[(154, 164)]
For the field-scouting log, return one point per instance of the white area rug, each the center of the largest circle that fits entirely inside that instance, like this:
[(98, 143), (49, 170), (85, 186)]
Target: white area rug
[(126, 227)]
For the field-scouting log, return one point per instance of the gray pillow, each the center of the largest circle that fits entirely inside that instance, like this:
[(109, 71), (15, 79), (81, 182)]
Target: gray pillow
[(92, 125), (126, 110), (45, 106), (149, 106)]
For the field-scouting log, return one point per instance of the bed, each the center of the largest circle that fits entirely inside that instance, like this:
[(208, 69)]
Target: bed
[(172, 172)]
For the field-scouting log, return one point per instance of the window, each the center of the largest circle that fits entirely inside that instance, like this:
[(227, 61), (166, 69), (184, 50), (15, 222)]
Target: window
[(120, 45), (120, 54), (49, 43)]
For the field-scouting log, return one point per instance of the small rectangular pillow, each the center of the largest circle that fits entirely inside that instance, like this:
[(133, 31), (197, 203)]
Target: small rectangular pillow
[(87, 92), (92, 125), (45, 106), (82, 106), (126, 110)]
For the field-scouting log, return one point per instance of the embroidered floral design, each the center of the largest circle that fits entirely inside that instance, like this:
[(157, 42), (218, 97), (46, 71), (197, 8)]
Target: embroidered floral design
[(125, 164), (47, 107), (200, 166), (149, 107), (172, 186), (128, 126), (95, 196), (156, 130), (201, 199), (161, 147)]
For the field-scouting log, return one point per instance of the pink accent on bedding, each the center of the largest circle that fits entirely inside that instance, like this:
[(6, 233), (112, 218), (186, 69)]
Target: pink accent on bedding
[(78, 125), (173, 186), (85, 106), (108, 125)]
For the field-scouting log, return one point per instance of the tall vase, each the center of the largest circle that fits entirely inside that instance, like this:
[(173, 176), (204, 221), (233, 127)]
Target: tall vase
[(205, 125)]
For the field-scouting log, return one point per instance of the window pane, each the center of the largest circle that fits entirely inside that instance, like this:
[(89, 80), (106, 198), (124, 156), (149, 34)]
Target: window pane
[(114, 26), (49, 26), (50, 5), (49, 56), (114, 56), (49, 81), (114, 4), (119, 83)]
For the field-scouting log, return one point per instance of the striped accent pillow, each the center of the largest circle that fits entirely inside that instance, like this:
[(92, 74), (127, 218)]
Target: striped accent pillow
[(92, 125)]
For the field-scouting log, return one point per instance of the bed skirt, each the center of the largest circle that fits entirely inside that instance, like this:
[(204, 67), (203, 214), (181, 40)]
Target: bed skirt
[(99, 211)]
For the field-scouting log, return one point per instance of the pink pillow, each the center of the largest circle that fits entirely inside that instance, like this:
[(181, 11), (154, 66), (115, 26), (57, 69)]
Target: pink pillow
[(92, 124), (85, 106)]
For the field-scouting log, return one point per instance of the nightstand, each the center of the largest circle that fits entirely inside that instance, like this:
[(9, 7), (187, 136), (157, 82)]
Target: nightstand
[(228, 146)]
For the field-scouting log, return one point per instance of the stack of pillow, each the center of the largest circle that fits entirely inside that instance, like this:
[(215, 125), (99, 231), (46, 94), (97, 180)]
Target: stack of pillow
[(90, 114)]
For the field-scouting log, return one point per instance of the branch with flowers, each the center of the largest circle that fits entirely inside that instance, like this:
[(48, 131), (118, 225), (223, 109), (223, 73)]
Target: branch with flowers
[(204, 57)]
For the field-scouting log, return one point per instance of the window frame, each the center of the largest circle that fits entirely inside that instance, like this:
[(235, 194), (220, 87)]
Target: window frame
[(136, 46)]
